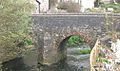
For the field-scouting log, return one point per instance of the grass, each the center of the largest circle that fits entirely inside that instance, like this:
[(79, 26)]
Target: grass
[(87, 51), (84, 51)]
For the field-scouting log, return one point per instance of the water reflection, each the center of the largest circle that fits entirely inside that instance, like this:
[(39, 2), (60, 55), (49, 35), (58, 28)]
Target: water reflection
[(16, 64), (61, 67)]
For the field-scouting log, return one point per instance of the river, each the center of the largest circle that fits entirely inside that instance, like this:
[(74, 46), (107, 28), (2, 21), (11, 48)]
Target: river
[(75, 62)]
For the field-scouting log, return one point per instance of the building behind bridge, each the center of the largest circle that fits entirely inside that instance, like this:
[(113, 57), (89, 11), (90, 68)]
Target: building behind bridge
[(46, 5)]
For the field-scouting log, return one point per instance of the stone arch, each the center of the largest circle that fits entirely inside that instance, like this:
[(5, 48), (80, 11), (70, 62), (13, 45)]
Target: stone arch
[(62, 50), (88, 38)]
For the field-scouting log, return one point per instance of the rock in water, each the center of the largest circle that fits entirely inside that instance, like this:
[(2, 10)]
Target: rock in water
[(115, 46), (94, 54)]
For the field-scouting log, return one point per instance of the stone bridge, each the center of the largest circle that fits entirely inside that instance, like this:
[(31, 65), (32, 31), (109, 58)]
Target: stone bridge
[(52, 30)]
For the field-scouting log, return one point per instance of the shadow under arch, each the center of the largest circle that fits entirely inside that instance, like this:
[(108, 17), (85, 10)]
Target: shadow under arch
[(62, 51)]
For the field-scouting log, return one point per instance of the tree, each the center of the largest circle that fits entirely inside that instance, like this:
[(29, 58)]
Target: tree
[(97, 3), (14, 21), (114, 1), (53, 3)]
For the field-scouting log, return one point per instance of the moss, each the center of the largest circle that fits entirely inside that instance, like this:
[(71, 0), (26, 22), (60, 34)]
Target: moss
[(103, 60), (84, 51), (87, 51)]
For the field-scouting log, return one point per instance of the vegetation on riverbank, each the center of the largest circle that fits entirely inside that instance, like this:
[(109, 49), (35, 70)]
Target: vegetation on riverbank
[(14, 25)]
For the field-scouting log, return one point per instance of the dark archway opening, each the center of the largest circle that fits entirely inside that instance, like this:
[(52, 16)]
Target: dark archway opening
[(74, 53)]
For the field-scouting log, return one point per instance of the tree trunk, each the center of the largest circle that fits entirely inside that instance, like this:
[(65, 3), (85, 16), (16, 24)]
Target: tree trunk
[(114, 1), (53, 3)]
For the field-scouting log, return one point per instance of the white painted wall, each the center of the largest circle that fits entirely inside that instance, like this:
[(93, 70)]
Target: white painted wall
[(87, 4), (44, 7), (115, 46)]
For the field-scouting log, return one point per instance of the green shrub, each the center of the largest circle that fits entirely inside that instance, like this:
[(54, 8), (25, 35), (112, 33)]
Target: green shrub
[(75, 41), (116, 7), (103, 60), (14, 22)]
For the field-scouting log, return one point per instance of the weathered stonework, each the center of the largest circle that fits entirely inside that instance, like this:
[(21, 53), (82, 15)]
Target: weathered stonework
[(50, 30)]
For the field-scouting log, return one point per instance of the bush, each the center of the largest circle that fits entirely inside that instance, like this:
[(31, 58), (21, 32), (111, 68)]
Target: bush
[(75, 41), (116, 7), (53, 2), (14, 21), (69, 6)]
